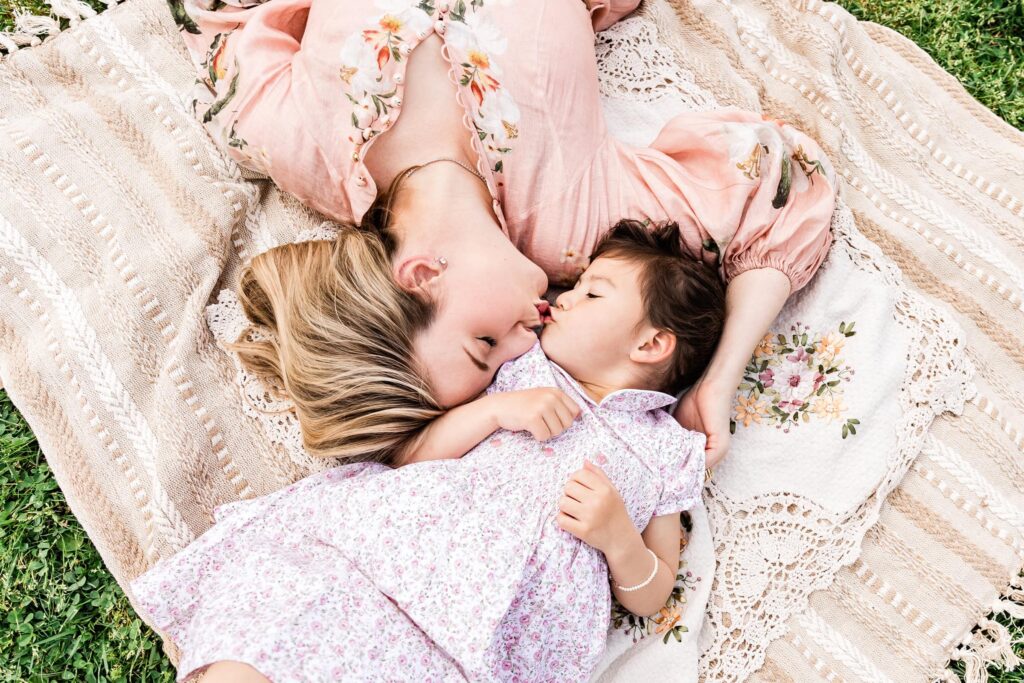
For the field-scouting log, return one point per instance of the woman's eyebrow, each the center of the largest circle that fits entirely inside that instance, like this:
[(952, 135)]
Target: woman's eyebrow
[(480, 364)]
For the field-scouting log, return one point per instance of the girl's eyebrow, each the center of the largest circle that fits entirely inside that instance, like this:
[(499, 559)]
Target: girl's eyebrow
[(480, 364), (600, 277)]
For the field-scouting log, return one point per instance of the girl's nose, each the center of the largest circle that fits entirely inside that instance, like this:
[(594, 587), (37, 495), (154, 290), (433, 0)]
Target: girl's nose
[(562, 301)]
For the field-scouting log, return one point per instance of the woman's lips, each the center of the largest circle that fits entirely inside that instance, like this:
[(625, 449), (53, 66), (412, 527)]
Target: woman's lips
[(544, 309)]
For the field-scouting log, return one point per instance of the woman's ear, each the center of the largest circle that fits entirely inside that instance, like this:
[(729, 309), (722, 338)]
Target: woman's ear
[(418, 273), (653, 346)]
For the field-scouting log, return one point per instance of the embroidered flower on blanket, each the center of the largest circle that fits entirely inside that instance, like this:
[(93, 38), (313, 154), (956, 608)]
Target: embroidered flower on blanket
[(790, 379)]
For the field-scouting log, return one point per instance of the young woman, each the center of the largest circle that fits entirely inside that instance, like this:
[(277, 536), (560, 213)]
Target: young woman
[(494, 104)]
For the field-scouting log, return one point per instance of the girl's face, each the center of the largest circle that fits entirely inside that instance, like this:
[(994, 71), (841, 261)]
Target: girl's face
[(594, 326), (489, 301)]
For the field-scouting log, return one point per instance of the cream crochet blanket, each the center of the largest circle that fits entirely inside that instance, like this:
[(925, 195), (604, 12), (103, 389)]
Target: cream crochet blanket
[(860, 532)]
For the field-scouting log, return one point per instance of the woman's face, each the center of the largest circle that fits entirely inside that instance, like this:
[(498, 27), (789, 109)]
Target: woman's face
[(488, 312)]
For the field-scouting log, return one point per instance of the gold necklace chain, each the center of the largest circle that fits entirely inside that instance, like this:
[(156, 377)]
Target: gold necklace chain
[(476, 173)]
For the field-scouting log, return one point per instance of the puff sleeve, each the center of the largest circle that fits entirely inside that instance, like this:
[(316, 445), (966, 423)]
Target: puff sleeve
[(682, 474), (251, 77), (760, 192)]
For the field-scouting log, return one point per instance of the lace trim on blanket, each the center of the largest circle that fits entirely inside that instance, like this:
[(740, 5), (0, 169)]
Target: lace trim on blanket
[(276, 416), (937, 379), (741, 623), (636, 68)]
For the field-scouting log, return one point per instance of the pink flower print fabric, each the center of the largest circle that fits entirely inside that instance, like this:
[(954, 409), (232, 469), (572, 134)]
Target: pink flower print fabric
[(436, 571)]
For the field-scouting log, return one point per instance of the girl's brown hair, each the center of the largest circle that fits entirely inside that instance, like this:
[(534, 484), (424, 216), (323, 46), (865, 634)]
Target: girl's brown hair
[(342, 342), (681, 295)]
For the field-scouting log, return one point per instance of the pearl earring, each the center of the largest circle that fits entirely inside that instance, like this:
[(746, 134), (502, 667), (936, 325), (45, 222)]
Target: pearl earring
[(442, 261)]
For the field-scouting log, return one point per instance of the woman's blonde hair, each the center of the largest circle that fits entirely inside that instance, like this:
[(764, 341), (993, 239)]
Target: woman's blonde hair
[(342, 343)]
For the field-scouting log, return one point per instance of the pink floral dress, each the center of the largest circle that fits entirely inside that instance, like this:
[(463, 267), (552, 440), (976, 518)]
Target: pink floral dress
[(437, 571), (301, 89)]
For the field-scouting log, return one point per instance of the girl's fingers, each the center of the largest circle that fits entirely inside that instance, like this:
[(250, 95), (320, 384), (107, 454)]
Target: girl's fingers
[(574, 408), (588, 477), (567, 523), (551, 421), (571, 507), (576, 490), (540, 430), (596, 469), (565, 418)]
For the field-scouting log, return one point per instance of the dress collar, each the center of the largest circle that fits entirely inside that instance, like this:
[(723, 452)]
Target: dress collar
[(626, 400)]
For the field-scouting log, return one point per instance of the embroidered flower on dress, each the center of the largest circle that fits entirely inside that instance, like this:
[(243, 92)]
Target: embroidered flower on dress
[(787, 380), (750, 144)]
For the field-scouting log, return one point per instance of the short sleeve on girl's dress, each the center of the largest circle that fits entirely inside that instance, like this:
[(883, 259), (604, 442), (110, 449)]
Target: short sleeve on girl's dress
[(682, 475)]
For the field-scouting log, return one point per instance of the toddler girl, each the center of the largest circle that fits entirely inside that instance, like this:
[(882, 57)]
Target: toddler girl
[(493, 550)]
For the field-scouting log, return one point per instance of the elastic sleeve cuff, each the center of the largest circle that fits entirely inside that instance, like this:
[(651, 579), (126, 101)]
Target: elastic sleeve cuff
[(754, 261)]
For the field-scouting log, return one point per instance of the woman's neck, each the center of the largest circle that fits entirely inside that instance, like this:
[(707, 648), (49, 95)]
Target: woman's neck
[(442, 202)]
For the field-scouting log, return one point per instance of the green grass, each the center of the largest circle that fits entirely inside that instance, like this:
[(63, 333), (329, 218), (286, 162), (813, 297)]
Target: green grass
[(62, 615), (38, 7), (66, 618), (981, 42)]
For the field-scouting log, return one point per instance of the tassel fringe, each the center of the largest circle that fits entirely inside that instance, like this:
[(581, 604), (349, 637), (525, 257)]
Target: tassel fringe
[(32, 29), (990, 643)]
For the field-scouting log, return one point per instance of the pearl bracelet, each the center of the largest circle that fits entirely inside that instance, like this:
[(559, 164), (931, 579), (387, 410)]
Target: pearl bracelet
[(649, 578)]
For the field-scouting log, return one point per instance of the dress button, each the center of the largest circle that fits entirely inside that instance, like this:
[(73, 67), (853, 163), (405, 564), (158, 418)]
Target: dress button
[(355, 156), (360, 180), (399, 79)]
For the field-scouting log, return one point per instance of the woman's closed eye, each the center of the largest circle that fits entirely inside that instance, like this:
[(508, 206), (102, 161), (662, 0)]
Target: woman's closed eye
[(489, 341)]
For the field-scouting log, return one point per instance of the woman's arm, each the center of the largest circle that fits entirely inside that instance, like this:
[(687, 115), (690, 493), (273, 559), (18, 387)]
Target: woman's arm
[(544, 411), (753, 300)]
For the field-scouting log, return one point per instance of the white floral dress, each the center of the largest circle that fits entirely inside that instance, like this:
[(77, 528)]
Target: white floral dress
[(436, 571)]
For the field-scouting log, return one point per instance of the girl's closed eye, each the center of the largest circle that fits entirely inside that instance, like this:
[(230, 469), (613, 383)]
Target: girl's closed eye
[(489, 341)]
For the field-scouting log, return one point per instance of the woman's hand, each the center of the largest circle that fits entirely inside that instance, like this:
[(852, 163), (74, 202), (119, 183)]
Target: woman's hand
[(545, 412), (592, 510), (753, 300), (707, 407)]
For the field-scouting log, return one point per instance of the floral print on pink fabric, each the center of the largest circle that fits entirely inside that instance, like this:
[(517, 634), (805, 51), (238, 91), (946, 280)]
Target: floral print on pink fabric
[(439, 570), (373, 68)]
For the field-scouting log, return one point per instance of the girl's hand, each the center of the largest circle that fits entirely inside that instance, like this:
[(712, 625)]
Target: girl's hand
[(706, 407), (592, 510), (545, 412)]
